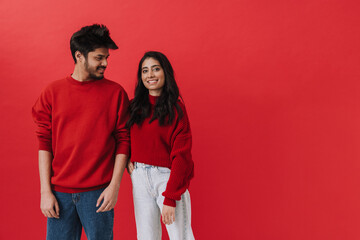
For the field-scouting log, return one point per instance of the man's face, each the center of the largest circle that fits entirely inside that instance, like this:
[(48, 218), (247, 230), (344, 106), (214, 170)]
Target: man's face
[(96, 63)]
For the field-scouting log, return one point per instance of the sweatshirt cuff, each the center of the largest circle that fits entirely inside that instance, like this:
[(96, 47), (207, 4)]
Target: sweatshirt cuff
[(123, 149), (170, 202), (44, 146)]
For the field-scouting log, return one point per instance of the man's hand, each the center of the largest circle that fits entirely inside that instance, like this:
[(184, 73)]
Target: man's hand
[(109, 198), (168, 214), (49, 205), (110, 194)]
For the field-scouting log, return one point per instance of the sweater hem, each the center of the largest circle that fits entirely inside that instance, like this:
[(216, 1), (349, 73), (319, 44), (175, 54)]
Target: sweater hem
[(76, 190), (164, 163)]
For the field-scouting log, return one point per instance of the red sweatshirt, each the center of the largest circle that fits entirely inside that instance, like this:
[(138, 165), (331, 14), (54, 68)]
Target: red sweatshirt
[(83, 125), (165, 146)]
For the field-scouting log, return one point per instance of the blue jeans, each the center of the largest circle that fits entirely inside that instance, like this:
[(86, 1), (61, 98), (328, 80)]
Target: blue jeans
[(149, 182), (78, 210)]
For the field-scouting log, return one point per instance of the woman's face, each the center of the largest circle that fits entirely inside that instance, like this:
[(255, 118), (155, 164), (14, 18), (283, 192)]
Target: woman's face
[(153, 77)]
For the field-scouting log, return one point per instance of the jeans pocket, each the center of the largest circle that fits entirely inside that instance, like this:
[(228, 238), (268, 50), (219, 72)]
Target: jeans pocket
[(164, 170), (132, 172)]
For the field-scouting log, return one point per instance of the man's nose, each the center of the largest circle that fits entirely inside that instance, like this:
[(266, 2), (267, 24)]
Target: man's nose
[(104, 62)]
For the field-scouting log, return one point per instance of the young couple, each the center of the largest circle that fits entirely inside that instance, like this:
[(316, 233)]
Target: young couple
[(85, 126)]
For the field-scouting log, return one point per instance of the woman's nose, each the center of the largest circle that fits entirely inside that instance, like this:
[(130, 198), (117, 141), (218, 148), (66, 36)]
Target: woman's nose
[(151, 74)]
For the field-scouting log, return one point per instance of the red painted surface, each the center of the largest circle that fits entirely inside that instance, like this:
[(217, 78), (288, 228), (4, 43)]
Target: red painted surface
[(272, 92)]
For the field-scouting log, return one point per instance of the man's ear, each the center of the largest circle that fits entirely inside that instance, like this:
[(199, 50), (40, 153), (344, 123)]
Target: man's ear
[(79, 56)]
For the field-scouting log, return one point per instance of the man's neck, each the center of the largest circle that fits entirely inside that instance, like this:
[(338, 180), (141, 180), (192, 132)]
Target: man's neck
[(80, 75)]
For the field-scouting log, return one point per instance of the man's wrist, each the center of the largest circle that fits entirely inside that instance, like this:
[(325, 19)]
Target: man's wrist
[(115, 184), (46, 191)]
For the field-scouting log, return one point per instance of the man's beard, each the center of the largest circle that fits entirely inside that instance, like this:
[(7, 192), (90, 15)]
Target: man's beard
[(96, 77), (93, 75)]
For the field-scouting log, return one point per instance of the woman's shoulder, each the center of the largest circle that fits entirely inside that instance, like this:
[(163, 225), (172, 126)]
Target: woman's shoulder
[(181, 103), (183, 113)]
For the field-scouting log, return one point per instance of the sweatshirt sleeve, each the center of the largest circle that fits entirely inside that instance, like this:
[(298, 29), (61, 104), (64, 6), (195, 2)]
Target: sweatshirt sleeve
[(121, 133), (182, 167), (41, 113)]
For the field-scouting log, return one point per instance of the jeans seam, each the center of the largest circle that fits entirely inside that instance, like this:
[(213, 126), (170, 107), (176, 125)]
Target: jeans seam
[(75, 198), (185, 217), (149, 183)]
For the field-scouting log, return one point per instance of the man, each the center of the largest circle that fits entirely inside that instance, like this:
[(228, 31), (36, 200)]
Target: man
[(83, 142)]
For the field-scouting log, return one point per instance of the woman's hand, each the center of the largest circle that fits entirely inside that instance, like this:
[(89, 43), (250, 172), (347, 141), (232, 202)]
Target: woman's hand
[(168, 214), (130, 167)]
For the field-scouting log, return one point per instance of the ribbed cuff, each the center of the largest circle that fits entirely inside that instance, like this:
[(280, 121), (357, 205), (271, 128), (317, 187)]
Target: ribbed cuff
[(170, 202), (123, 149), (44, 146)]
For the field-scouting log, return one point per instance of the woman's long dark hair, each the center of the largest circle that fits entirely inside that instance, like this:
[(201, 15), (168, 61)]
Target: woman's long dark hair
[(140, 108)]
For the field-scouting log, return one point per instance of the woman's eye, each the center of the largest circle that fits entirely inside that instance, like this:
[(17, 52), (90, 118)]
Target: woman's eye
[(144, 71), (157, 69)]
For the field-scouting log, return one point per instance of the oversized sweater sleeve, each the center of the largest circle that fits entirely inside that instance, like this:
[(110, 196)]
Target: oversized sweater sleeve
[(182, 167), (41, 113), (121, 133)]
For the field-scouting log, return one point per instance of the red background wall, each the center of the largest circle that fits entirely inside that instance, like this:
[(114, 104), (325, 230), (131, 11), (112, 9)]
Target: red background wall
[(271, 88)]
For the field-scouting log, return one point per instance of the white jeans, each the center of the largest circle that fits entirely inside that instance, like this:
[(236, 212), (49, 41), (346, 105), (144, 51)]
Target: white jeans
[(149, 182)]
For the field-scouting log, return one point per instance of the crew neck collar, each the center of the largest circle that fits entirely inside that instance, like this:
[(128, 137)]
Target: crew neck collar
[(76, 82), (153, 99)]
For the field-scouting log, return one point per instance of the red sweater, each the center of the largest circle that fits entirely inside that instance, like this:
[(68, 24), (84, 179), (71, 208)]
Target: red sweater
[(165, 146), (83, 125)]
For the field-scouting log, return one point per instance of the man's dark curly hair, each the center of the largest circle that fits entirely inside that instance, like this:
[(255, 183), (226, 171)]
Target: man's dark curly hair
[(88, 38)]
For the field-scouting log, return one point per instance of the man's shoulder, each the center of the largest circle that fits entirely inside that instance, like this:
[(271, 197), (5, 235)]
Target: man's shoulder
[(113, 84), (55, 84)]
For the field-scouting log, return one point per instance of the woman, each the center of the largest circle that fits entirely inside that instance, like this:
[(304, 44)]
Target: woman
[(161, 164)]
